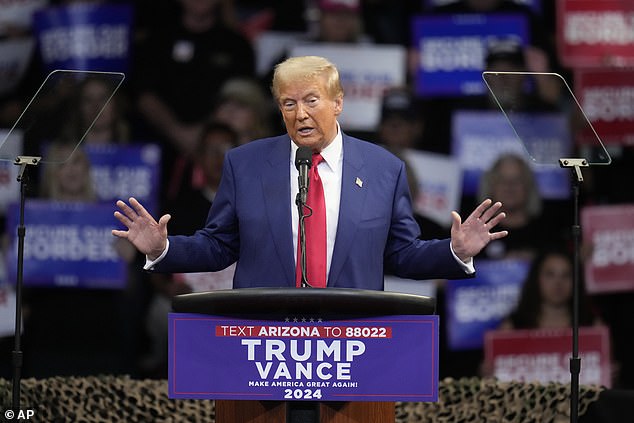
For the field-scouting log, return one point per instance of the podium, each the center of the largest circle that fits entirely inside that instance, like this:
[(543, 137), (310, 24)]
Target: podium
[(353, 311)]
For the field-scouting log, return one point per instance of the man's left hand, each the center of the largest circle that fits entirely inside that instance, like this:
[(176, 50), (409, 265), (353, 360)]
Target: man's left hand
[(468, 238)]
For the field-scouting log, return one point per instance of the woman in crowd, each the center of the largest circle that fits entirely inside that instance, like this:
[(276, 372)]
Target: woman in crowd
[(511, 181), (546, 299)]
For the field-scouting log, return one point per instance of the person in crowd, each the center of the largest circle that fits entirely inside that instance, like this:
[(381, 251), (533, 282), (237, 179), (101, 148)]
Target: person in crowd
[(189, 211), (340, 21), (402, 121), (67, 179), (98, 115), (506, 54), (389, 21), (546, 300), (400, 129), (246, 108), (181, 67), (511, 181), (253, 220)]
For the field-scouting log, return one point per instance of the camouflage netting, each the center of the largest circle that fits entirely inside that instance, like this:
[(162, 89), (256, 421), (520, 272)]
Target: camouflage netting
[(488, 400), (110, 399)]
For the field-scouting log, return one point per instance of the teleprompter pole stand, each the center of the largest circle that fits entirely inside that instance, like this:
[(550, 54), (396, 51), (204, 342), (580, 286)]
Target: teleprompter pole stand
[(17, 357), (575, 361)]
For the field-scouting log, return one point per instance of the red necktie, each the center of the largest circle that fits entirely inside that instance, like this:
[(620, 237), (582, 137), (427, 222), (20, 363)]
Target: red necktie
[(315, 226)]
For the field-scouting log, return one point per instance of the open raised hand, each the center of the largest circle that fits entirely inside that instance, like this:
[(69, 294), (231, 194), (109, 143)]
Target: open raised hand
[(144, 232), (468, 238)]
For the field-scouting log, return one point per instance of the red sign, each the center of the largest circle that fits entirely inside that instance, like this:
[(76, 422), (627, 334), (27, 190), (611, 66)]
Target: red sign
[(543, 355), (609, 231), (607, 98), (593, 33)]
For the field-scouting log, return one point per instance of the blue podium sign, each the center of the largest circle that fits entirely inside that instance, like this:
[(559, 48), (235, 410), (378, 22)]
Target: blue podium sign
[(387, 358)]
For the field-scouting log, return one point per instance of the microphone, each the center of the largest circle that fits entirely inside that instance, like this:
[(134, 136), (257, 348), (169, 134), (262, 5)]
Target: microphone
[(303, 162)]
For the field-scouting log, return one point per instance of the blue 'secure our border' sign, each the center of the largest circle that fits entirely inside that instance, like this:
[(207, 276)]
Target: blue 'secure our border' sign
[(85, 37), (481, 303), (123, 171), (66, 244), (452, 49)]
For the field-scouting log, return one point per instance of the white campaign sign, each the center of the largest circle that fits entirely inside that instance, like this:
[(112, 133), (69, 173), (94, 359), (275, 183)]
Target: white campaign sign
[(439, 185)]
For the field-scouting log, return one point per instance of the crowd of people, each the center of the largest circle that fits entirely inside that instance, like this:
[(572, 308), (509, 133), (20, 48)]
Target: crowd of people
[(194, 91)]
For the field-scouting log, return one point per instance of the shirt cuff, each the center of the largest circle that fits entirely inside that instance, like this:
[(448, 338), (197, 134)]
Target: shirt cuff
[(149, 264), (468, 267)]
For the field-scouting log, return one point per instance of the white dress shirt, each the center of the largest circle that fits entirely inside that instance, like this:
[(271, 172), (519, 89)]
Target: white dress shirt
[(330, 170)]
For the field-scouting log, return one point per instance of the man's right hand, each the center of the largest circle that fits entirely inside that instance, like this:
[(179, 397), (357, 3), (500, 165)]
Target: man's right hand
[(144, 232)]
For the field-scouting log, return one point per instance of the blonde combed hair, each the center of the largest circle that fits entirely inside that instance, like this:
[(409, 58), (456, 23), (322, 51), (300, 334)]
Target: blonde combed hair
[(306, 68)]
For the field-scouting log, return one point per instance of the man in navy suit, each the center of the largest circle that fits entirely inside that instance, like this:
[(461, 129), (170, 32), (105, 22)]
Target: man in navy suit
[(370, 227)]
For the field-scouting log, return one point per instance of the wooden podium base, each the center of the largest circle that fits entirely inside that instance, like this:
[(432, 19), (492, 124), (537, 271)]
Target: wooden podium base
[(232, 411)]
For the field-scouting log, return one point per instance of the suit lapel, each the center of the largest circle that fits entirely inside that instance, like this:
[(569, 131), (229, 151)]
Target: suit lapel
[(352, 202), (277, 194)]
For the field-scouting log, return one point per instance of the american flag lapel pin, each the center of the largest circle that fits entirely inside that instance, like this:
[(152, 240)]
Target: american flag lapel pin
[(359, 182)]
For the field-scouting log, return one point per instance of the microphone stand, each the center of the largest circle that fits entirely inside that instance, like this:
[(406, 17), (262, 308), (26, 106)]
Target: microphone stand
[(301, 205), (575, 361), (17, 356)]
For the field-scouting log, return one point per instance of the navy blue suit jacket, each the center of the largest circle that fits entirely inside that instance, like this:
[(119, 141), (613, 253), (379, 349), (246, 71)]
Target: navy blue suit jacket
[(250, 222)]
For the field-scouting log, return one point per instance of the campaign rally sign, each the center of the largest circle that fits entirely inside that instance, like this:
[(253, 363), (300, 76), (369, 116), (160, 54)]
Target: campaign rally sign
[(85, 36), (66, 244), (476, 305), (124, 171), (607, 98), (366, 72), (594, 33), (609, 232), (480, 137), (439, 180), (452, 50), (387, 358), (543, 355)]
